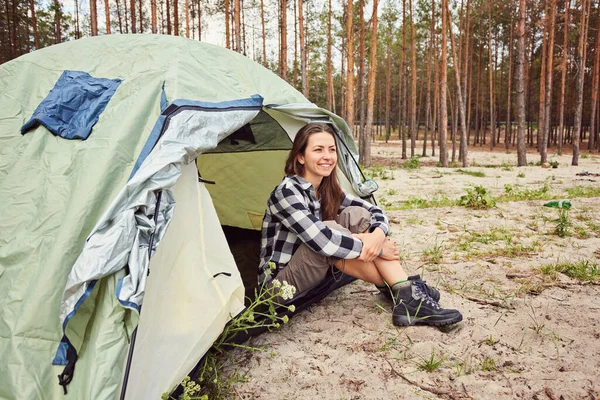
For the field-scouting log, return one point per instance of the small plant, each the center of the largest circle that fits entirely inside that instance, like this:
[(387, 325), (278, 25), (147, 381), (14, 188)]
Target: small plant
[(488, 364), (514, 193), (478, 174), (431, 363), (554, 164), (584, 156), (433, 255), (521, 175), (505, 167), (477, 197), (583, 270), (412, 163), (490, 341), (391, 192), (562, 223), (261, 313), (584, 191)]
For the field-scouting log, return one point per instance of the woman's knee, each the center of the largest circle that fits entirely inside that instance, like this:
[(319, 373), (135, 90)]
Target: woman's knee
[(354, 218)]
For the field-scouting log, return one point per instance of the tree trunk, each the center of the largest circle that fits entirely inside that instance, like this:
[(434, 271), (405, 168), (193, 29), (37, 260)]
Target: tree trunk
[(521, 149), (303, 53), (132, 12), (459, 95), (153, 16), (404, 73), (361, 65), (227, 17), (436, 85), (388, 88), (365, 138), (508, 130), (107, 12), (283, 69), (141, 8), (187, 18), (428, 94), (581, 52), (36, 41), (93, 17), (595, 86), (491, 72), (237, 42), (443, 88), (264, 36), (413, 91), (176, 17), (549, 72), (57, 26), (200, 20), (329, 99), (350, 67)]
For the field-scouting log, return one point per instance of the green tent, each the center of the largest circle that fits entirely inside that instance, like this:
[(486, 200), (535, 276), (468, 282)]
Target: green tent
[(108, 150)]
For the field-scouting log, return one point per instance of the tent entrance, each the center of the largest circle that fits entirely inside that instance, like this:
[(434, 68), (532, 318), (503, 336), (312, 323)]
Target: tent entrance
[(245, 166)]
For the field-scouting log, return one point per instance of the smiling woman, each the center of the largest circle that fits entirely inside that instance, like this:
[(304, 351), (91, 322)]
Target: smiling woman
[(312, 226)]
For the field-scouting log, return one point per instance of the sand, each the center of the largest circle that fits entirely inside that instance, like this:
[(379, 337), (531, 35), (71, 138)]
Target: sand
[(525, 334)]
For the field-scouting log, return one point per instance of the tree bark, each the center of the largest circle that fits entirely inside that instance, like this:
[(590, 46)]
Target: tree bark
[(350, 67), (187, 18), (521, 149), (93, 18), (428, 94), (404, 72), (283, 69), (132, 12), (361, 65), (595, 89), (227, 17), (237, 42), (107, 12), (413, 91), (508, 130), (491, 73), (329, 99), (303, 55), (459, 95), (581, 52), (443, 88), (176, 17), (549, 73), (365, 138), (388, 88), (36, 40), (57, 26), (153, 16), (264, 37)]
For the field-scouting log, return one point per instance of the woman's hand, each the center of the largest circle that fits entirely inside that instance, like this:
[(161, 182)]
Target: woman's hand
[(372, 244), (390, 251)]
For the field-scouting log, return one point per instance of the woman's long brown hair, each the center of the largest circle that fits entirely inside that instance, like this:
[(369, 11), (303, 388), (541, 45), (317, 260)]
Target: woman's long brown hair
[(329, 192)]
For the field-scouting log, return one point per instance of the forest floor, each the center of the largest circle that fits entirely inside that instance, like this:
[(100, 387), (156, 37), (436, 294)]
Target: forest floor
[(529, 298)]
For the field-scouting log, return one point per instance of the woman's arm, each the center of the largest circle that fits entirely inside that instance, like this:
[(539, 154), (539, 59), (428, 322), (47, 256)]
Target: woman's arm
[(289, 207), (378, 218)]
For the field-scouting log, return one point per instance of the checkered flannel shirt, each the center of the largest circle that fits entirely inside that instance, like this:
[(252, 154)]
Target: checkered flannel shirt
[(293, 217)]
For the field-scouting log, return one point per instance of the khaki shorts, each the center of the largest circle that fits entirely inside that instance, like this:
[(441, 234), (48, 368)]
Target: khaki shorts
[(307, 268)]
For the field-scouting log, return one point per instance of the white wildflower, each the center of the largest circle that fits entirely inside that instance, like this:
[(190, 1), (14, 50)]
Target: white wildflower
[(287, 291), (276, 283)]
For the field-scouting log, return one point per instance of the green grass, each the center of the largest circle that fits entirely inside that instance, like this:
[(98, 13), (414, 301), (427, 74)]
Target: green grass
[(582, 270), (478, 174), (379, 172), (431, 363), (477, 197), (433, 254), (412, 163), (488, 364), (516, 193), (583, 191)]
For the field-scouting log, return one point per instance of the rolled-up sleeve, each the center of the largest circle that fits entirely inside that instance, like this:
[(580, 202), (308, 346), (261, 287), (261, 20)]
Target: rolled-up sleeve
[(289, 206), (378, 217)]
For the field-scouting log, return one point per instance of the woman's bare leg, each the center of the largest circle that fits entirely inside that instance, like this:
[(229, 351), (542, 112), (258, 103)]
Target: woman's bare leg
[(378, 272)]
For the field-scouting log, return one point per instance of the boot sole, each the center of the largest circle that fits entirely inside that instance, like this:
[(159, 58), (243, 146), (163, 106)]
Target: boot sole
[(403, 320)]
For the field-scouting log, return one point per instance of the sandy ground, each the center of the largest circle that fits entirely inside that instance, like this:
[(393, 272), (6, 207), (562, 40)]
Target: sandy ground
[(525, 334)]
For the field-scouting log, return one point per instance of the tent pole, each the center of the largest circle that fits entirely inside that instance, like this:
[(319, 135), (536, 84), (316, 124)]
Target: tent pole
[(134, 335)]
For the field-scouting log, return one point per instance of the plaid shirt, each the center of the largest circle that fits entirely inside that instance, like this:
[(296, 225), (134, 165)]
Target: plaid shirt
[(293, 217)]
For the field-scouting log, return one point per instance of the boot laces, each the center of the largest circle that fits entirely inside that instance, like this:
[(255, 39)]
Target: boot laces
[(422, 291)]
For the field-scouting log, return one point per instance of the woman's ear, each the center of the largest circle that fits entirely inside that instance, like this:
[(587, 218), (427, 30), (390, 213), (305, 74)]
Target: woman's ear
[(300, 159)]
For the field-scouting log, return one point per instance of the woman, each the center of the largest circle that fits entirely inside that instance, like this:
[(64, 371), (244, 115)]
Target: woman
[(311, 225)]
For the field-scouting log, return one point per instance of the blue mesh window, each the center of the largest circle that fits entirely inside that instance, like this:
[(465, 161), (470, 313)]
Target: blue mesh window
[(73, 105)]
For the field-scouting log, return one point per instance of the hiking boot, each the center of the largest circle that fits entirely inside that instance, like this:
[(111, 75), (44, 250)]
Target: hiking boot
[(433, 292), (414, 306)]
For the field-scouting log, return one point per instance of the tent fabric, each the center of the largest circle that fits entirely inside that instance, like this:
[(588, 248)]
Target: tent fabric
[(74, 105), (83, 216)]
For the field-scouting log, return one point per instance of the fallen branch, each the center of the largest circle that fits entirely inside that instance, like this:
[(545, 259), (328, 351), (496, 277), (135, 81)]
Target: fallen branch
[(484, 302), (435, 391)]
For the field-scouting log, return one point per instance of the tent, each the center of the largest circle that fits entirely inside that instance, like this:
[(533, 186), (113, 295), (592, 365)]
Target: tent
[(131, 167)]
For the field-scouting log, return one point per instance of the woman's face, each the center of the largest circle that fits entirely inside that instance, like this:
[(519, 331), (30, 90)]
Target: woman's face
[(319, 158)]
